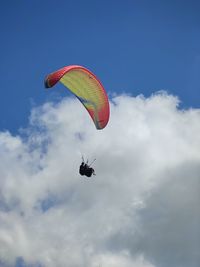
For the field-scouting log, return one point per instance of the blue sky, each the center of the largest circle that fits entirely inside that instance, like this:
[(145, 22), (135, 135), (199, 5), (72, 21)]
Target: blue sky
[(137, 47)]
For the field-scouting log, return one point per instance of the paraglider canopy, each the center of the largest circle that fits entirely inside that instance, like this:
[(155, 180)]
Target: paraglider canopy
[(87, 88)]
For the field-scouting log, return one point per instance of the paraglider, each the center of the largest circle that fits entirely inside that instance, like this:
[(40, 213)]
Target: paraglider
[(87, 88), (86, 170), (91, 93)]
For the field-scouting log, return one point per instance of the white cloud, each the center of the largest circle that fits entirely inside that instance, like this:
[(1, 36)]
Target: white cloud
[(136, 212)]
